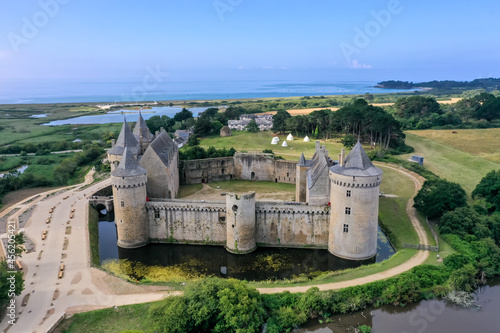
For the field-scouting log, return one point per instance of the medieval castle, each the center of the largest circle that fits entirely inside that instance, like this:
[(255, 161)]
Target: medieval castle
[(336, 208)]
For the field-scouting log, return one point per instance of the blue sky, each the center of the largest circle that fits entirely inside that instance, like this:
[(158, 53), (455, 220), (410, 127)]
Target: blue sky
[(250, 39)]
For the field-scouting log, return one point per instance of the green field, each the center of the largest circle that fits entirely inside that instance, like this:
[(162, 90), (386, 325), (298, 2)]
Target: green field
[(392, 210), (450, 163), (257, 142), (242, 186)]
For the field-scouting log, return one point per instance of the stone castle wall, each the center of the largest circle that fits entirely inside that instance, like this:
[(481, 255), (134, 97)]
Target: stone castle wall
[(276, 223), (207, 170), (245, 166)]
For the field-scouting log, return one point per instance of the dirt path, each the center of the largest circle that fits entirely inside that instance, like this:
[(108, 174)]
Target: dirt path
[(416, 260)]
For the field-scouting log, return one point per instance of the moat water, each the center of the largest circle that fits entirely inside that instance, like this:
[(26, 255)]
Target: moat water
[(432, 316), (262, 264)]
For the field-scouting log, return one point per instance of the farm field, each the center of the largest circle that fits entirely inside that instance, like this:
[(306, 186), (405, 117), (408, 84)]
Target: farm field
[(444, 157)]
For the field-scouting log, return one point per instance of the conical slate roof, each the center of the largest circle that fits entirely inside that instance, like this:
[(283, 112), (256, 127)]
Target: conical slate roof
[(128, 166), (126, 138), (357, 163), (302, 161), (141, 125)]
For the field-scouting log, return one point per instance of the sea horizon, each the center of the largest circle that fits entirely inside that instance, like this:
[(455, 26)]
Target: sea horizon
[(43, 91)]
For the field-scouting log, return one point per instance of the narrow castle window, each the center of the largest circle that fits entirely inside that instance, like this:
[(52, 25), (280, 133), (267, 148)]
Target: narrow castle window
[(346, 228), (222, 171), (288, 174), (348, 193), (348, 210), (122, 204), (157, 214)]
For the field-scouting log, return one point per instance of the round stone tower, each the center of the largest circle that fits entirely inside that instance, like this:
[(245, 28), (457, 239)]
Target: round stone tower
[(354, 195), (129, 200), (240, 223)]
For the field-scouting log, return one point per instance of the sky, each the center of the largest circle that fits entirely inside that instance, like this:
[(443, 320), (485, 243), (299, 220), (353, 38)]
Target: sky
[(250, 39)]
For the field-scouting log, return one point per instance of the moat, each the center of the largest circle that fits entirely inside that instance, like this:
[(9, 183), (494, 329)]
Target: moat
[(262, 264)]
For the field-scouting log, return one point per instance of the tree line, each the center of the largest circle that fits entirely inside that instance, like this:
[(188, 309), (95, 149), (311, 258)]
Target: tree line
[(359, 119), (420, 112)]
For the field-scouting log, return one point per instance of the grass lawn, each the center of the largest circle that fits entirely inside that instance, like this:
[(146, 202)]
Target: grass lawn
[(186, 190), (392, 210), (450, 163), (430, 237), (129, 317), (242, 186), (245, 141)]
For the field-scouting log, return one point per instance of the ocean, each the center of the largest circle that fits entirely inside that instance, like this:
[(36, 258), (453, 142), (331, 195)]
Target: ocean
[(35, 91)]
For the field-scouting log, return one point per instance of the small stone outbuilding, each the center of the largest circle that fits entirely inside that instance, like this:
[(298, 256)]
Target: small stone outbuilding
[(225, 131)]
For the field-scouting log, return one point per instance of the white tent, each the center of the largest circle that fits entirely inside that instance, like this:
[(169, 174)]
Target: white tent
[(306, 139), (289, 137), (274, 142), (284, 144), (276, 139)]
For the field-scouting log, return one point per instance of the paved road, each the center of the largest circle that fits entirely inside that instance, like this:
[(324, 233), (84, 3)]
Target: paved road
[(67, 242)]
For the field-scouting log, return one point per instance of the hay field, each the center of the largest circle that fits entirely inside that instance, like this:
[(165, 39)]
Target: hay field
[(296, 112), (484, 143), (457, 158)]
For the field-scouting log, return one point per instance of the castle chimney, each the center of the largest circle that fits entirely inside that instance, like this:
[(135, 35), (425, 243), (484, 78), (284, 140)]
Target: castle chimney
[(317, 146), (157, 133), (162, 129), (113, 142), (342, 157)]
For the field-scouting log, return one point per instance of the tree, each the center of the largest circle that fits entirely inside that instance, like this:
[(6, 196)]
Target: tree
[(490, 109), (461, 221), (183, 115), (407, 107), (348, 141), (279, 121), (439, 196), (211, 305), (202, 127), (489, 189), (252, 126), (193, 141)]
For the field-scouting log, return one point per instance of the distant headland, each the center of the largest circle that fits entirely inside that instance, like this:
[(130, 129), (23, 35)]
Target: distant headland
[(487, 84)]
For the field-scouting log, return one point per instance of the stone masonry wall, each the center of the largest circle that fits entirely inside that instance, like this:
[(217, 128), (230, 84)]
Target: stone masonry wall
[(277, 223), (207, 170)]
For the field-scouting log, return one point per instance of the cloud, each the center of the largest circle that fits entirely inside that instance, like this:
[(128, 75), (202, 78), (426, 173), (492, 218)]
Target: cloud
[(357, 65)]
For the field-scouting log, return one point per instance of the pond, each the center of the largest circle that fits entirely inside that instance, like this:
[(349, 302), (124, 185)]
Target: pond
[(262, 264), (117, 116), (425, 316), (21, 169)]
